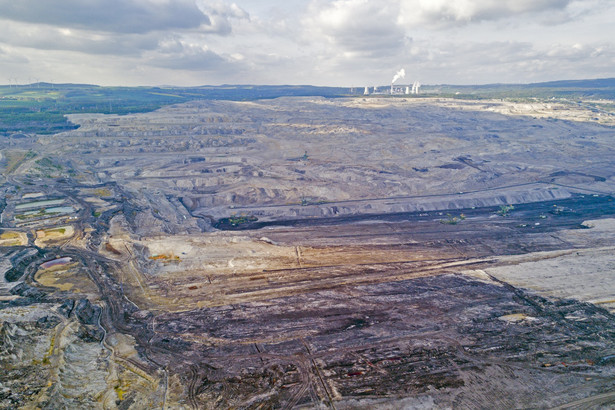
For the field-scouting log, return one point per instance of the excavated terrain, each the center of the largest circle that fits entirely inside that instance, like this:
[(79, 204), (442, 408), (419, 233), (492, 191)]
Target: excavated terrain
[(311, 253)]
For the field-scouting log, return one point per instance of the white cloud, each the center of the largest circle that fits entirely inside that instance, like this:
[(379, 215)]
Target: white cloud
[(181, 55), (450, 61), (356, 28), (220, 15), (9, 57)]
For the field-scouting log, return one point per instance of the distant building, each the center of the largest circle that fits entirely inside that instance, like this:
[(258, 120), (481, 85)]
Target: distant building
[(398, 89)]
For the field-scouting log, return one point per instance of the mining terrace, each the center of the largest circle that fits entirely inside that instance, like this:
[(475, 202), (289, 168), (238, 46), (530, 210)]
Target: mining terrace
[(311, 253)]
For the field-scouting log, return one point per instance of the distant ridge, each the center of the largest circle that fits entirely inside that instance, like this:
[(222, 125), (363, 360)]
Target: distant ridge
[(603, 88), (587, 83), (596, 83), (40, 108)]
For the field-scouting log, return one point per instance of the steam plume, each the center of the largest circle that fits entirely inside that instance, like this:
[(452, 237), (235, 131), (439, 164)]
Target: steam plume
[(400, 74)]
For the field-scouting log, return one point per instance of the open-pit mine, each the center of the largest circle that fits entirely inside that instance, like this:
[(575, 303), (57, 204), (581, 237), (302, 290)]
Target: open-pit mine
[(307, 252)]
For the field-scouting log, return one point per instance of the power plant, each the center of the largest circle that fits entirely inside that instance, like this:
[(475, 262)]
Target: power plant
[(395, 88)]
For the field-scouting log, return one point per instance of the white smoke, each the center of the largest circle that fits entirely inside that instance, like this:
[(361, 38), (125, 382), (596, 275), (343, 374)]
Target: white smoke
[(416, 87), (400, 74)]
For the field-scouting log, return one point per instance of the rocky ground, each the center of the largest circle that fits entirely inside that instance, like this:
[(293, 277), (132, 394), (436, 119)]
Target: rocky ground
[(308, 253)]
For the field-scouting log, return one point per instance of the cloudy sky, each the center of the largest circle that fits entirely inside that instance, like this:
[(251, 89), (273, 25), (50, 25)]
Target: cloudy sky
[(321, 42)]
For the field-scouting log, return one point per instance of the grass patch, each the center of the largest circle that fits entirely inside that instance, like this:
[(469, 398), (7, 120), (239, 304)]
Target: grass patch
[(452, 220), (61, 231), (9, 235), (45, 162), (102, 192), (15, 159)]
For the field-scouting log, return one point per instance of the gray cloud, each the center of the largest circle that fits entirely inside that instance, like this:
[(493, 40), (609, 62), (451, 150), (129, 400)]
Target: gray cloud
[(443, 13), (122, 16), (45, 37)]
